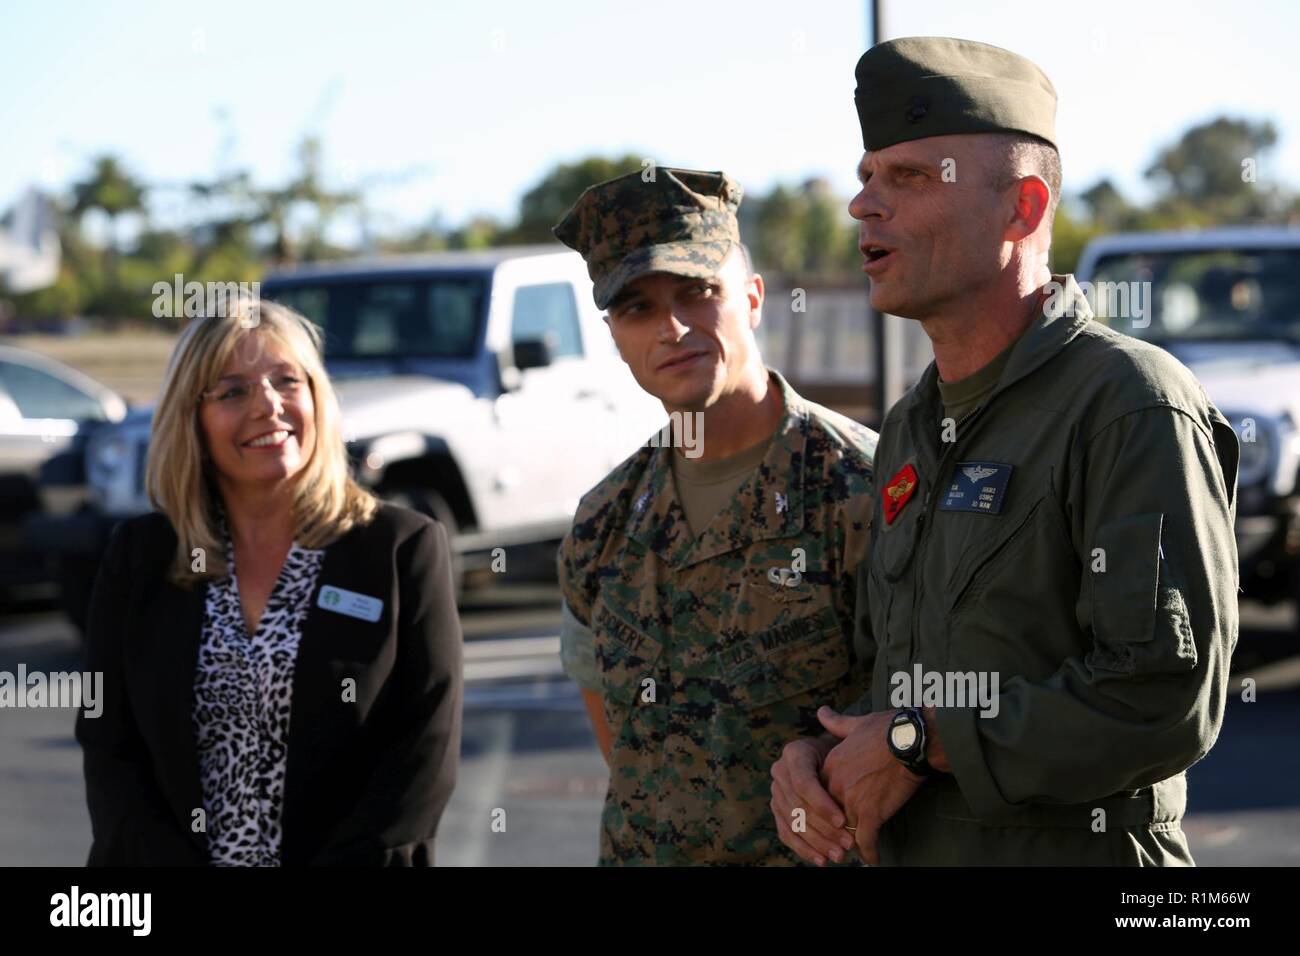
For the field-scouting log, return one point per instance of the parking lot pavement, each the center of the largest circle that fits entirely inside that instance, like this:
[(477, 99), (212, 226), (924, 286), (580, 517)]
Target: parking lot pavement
[(528, 751), (530, 765), (43, 818), (531, 783)]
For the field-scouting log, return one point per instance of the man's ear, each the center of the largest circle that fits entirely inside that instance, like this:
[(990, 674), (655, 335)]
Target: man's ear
[(1032, 197), (756, 293)]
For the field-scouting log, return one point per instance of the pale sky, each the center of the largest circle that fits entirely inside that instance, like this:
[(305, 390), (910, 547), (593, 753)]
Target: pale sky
[(463, 105)]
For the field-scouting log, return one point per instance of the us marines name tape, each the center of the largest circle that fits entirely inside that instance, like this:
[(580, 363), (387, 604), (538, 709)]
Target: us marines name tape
[(782, 635)]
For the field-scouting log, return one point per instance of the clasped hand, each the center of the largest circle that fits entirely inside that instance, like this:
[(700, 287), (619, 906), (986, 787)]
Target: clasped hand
[(846, 778)]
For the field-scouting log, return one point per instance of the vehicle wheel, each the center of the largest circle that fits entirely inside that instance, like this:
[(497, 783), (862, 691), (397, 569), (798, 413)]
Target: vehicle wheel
[(429, 502)]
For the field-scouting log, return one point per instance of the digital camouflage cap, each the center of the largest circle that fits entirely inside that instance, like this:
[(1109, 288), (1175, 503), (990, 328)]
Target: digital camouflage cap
[(915, 87), (661, 219)]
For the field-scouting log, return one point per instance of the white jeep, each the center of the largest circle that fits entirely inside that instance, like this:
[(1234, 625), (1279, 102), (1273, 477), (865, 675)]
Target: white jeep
[(1226, 302), (481, 388)]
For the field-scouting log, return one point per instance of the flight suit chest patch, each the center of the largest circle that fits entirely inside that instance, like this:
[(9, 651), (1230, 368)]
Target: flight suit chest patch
[(977, 486), (898, 492)]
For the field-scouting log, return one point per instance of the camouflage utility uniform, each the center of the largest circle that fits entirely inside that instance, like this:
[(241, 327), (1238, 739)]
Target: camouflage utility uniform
[(712, 652)]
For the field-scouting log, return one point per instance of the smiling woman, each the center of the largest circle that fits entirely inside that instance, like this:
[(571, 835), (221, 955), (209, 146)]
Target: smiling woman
[(275, 693), (198, 464)]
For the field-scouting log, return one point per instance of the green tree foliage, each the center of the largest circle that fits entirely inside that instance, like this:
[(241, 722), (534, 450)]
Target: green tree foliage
[(1214, 169), (1070, 233), (546, 203), (1106, 205), (804, 231), (1216, 172), (109, 189)]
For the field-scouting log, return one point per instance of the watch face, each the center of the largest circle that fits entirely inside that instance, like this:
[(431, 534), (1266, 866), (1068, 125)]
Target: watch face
[(904, 736)]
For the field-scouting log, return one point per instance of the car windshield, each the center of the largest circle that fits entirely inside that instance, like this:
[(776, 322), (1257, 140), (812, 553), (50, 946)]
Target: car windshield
[(437, 317), (1192, 295)]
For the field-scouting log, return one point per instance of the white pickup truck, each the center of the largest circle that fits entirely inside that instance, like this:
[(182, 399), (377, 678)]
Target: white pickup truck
[(479, 387), (1226, 302)]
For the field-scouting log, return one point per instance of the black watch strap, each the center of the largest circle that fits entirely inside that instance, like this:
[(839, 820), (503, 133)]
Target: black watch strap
[(912, 757)]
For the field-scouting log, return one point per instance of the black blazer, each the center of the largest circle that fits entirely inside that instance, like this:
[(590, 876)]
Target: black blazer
[(365, 782)]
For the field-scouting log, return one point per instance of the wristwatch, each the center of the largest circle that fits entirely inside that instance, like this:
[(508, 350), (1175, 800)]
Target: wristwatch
[(906, 739)]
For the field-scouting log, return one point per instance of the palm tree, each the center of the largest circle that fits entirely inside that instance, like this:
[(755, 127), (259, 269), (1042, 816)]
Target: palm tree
[(113, 191), (110, 189)]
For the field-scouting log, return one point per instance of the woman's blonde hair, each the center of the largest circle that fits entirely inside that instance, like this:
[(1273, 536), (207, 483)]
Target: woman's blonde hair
[(327, 502)]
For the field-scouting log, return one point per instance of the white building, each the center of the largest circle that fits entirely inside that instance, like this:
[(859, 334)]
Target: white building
[(29, 245)]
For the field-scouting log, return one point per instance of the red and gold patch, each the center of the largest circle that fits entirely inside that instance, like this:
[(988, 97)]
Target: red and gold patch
[(898, 492)]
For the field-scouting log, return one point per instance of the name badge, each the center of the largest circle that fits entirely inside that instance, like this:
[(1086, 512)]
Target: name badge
[(977, 486), (351, 603)]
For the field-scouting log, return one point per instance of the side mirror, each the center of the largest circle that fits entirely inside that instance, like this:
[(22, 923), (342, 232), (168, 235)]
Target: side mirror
[(532, 353)]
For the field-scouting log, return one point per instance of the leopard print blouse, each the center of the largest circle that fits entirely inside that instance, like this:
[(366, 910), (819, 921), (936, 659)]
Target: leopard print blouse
[(243, 689)]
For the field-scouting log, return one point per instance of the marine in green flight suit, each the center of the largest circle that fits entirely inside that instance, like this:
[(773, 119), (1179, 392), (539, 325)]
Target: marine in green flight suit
[(1051, 585)]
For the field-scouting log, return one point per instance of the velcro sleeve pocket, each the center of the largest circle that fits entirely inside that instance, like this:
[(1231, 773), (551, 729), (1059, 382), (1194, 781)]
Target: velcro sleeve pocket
[(1140, 618)]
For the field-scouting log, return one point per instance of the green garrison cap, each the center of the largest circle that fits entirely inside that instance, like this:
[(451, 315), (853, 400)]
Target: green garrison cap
[(659, 219), (915, 87)]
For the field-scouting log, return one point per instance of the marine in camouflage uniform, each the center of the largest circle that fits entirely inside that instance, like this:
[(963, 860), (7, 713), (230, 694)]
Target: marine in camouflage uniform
[(709, 651)]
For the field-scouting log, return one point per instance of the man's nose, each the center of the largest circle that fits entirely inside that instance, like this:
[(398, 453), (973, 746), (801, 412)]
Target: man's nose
[(672, 328), (866, 205)]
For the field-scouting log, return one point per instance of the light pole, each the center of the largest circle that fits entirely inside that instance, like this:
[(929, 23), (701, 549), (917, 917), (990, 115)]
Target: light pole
[(889, 386)]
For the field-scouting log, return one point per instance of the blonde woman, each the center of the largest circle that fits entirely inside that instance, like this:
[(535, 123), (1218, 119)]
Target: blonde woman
[(281, 652)]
